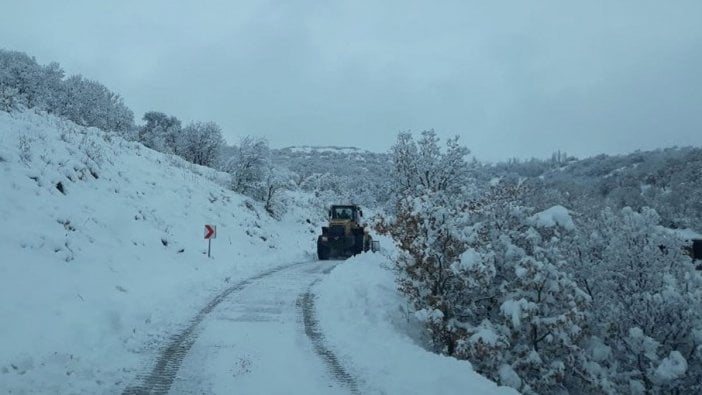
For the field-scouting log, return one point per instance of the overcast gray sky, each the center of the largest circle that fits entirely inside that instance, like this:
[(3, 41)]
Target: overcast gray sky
[(512, 78)]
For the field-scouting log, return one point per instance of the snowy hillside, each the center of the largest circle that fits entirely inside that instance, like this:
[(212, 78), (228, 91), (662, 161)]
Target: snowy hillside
[(101, 238), (103, 262)]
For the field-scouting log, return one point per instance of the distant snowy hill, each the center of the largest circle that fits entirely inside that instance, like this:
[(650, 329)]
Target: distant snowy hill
[(343, 161), (306, 149), (664, 179), (359, 175)]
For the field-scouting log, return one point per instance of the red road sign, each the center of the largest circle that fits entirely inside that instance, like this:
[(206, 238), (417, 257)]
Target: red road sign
[(210, 232)]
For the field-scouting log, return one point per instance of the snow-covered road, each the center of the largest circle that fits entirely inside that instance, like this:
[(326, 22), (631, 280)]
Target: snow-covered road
[(258, 336)]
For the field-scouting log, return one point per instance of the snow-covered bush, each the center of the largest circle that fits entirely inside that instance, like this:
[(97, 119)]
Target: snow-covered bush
[(8, 98), (430, 233), (530, 316), (489, 282), (487, 275), (647, 303)]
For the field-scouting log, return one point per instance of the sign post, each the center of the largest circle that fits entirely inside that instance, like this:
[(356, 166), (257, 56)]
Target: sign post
[(210, 233)]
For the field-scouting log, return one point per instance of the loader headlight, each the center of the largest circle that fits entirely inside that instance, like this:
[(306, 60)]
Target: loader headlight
[(324, 238)]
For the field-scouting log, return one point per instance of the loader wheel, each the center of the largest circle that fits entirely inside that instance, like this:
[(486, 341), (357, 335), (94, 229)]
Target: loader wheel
[(358, 245), (322, 250)]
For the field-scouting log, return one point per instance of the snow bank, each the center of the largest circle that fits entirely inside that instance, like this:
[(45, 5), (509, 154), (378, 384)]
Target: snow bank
[(359, 309), (103, 252)]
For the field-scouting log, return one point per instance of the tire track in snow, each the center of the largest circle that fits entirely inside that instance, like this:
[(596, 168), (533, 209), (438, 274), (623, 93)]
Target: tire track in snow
[(159, 378), (315, 334)]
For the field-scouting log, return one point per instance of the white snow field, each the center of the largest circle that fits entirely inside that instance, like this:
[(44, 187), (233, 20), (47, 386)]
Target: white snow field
[(103, 263)]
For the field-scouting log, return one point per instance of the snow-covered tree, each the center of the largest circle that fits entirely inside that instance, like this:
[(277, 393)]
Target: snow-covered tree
[(160, 132), (200, 143), (255, 175), (249, 165), (89, 103), (429, 227), (23, 82), (423, 166), (405, 168), (275, 183)]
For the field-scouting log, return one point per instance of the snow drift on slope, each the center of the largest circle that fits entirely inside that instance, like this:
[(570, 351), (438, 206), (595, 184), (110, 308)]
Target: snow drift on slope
[(359, 308)]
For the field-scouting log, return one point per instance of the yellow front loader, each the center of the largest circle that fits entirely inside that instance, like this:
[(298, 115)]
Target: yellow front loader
[(345, 236)]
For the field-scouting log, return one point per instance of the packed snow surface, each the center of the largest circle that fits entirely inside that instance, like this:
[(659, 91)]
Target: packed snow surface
[(104, 260), (366, 323)]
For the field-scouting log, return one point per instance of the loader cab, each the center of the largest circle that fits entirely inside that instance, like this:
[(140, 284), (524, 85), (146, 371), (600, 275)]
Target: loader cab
[(345, 213)]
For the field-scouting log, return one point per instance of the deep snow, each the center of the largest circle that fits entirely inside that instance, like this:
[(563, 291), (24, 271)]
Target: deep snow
[(367, 324), (103, 258)]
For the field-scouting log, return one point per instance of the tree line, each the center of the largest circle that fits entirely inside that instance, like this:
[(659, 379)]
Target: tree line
[(26, 84)]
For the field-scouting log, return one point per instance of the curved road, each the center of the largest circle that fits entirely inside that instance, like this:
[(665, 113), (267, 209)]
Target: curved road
[(258, 336)]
